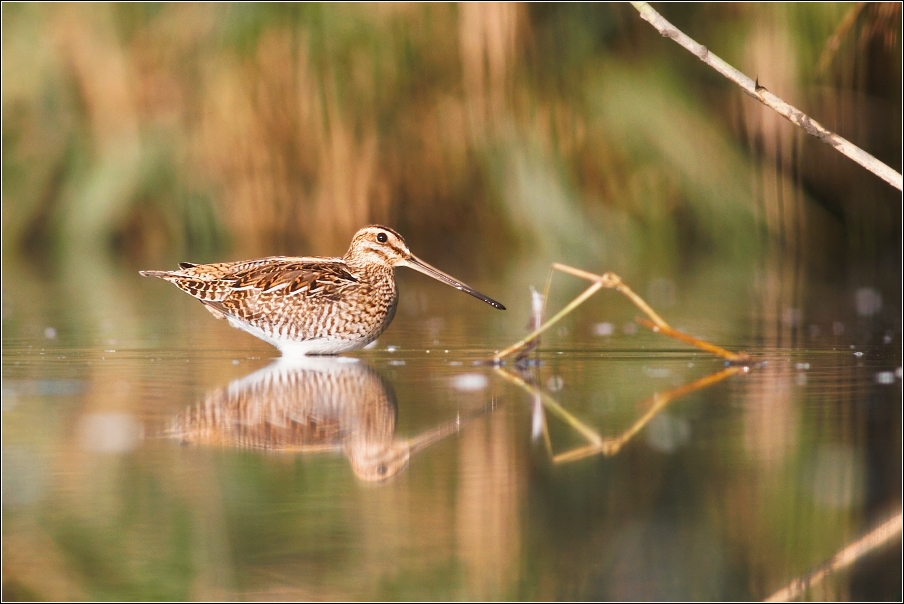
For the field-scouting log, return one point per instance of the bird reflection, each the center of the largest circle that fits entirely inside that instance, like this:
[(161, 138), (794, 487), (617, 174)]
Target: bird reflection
[(309, 405)]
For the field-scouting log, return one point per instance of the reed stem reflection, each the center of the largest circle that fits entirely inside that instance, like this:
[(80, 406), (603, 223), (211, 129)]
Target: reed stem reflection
[(597, 445)]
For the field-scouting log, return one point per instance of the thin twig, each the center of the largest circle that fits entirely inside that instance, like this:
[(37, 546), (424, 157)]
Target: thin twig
[(555, 319), (734, 357), (538, 308), (753, 89), (612, 281), (888, 530)]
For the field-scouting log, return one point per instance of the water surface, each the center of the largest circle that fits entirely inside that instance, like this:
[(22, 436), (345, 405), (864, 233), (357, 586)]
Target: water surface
[(177, 465)]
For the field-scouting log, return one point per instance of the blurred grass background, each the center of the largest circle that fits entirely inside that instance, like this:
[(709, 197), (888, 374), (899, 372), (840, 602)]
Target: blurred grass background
[(497, 139), (155, 132)]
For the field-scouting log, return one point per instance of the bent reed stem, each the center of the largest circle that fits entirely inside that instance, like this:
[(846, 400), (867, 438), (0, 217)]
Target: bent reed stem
[(610, 280)]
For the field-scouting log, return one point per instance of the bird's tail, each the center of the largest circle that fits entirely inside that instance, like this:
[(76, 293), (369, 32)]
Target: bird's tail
[(159, 274)]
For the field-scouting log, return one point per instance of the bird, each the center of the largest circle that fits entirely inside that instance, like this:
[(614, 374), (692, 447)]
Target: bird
[(310, 405), (311, 305)]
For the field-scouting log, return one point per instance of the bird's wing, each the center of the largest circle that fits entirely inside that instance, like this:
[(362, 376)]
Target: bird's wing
[(310, 277)]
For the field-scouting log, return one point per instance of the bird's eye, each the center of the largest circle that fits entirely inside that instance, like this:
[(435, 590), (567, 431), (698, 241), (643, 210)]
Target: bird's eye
[(381, 237)]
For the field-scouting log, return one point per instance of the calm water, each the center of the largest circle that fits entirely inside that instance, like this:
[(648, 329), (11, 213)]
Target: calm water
[(151, 452)]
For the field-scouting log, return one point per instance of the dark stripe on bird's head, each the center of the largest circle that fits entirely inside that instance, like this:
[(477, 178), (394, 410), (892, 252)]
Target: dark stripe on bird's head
[(387, 229)]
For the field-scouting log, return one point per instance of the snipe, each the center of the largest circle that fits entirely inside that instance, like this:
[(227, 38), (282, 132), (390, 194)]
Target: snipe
[(311, 305)]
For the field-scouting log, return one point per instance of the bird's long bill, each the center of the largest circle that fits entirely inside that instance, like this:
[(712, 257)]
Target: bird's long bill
[(430, 437), (422, 267)]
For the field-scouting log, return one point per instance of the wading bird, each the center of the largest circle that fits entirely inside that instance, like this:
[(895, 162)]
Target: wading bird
[(311, 305)]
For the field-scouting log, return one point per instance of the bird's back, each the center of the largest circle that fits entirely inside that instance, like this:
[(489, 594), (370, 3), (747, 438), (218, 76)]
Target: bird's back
[(305, 305)]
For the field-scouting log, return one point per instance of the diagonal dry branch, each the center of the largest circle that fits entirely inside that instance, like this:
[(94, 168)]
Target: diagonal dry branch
[(753, 89), (882, 535)]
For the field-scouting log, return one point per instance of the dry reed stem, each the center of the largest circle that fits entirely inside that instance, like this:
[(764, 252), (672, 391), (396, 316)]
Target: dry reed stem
[(617, 284), (879, 536), (612, 281), (734, 357), (753, 89), (555, 319)]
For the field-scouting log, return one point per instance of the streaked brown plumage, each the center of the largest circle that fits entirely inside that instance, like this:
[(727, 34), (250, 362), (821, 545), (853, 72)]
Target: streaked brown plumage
[(311, 305)]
